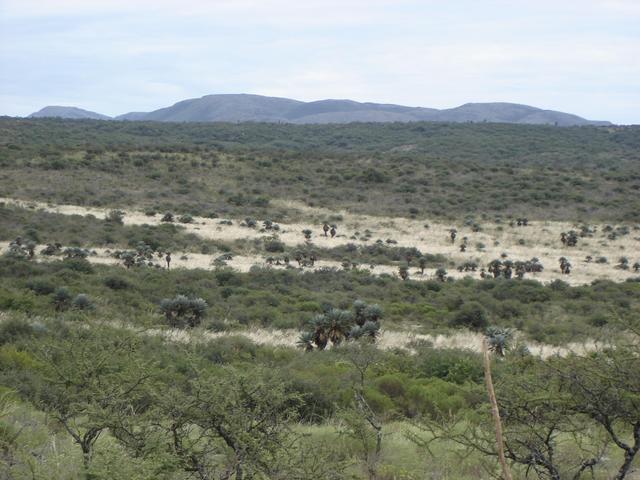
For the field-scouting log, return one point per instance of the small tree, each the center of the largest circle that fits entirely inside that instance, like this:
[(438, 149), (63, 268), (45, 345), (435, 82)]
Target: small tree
[(422, 264), (90, 378), (362, 423), (403, 272), (242, 418), (605, 387)]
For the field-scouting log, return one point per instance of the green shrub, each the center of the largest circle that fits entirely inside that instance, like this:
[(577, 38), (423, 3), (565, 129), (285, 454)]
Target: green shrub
[(274, 246), (457, 366), (81, 265), (284, 323), (13, 359), (471, 315), (392, 385), (116, 283), (41, 287), (436, 399), (230, 349), (13, 328), (379, 402), (16, 300)]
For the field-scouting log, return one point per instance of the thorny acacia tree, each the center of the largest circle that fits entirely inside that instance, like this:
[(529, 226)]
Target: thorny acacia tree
[(560, 417), (219, 424), (90, 378)]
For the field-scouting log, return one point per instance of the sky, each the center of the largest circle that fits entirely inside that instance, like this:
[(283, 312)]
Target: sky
[(116, 56)]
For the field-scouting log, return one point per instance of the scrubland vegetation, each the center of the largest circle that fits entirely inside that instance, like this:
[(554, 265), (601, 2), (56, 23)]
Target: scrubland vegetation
[(141, 368), (421, 169)]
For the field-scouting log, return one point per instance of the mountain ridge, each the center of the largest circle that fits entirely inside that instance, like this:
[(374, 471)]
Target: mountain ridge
[(258, 108), (58, 111)]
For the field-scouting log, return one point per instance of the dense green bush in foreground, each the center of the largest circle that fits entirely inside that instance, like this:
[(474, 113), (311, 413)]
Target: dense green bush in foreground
[(126, 404)]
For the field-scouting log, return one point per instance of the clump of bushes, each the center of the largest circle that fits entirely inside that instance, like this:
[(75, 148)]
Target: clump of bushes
[(274, 245), (51, 249), (336, 326), (76, 252), (18, 248)]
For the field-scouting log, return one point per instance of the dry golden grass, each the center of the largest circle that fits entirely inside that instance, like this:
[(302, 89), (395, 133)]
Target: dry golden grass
[(389, 339), (540, 240)]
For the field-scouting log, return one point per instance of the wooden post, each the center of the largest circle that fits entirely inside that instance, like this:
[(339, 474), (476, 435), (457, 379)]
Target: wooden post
[(495, 412)]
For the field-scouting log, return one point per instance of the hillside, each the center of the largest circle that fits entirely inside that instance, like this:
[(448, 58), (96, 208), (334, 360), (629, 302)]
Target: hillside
[(67, 112), (258, 108), (320, 287), (424, 169)]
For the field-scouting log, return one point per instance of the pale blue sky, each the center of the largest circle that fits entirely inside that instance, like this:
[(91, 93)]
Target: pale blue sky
[(115, 56)]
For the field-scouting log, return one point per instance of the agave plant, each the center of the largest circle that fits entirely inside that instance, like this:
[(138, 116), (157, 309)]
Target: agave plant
[(319, 331), (356, 332), (498, 340), (371, 330), (373, 313), (359, 308), (338, 325), (305, 341)]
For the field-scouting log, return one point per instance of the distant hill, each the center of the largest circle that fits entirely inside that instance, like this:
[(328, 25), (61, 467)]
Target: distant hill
[(68, 112), (257, 108)]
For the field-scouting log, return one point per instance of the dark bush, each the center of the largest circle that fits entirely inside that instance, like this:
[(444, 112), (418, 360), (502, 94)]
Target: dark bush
[(41, 287), (116, 283), (471, 315)]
